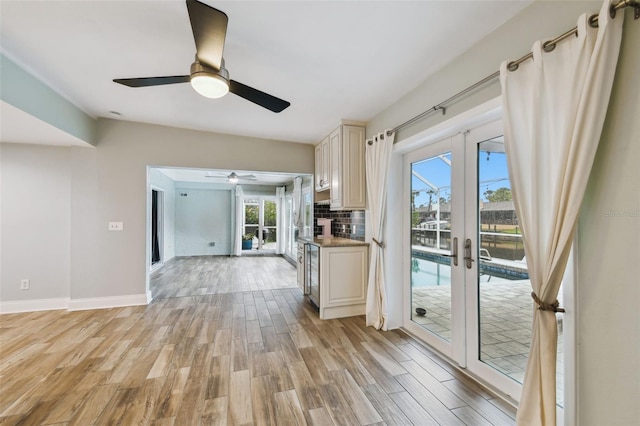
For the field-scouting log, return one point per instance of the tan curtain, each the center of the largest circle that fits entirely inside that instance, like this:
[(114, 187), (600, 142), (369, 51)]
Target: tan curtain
[(237, 251), (554, 109), (378, 161)]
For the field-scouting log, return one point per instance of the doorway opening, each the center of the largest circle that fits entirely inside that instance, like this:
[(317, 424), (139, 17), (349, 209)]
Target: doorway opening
[(157, 228), (261, 218)]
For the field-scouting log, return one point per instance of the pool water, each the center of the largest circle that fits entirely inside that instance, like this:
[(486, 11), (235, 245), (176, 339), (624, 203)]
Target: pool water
[(425, 273)]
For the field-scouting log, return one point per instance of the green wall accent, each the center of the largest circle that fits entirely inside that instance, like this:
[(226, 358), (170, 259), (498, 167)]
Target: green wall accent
[(24, 91)]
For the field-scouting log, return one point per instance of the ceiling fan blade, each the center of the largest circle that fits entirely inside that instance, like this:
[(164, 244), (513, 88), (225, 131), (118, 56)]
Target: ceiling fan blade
[(209, 26), (152, 81), (257, 97)]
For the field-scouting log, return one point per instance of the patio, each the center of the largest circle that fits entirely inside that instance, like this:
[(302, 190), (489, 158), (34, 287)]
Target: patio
[(505, 323)]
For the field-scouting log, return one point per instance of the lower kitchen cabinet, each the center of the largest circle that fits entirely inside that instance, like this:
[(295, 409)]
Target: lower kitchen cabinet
[(343, 281)]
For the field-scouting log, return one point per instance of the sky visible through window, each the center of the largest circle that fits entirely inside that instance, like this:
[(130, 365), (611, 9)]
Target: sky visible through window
[(492, 171)]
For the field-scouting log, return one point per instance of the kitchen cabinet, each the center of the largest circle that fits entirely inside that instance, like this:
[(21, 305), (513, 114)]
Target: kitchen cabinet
[(322, 165), (336, 273), (340, 168), (347, 168), (343, 281)]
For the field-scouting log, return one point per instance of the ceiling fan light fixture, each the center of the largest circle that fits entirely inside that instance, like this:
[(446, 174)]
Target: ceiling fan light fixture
[(232, 178), (208, 82), (209, 86)]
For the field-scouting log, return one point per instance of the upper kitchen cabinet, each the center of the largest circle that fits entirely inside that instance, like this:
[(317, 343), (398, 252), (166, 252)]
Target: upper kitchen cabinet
[(322, 165), (347, 174)]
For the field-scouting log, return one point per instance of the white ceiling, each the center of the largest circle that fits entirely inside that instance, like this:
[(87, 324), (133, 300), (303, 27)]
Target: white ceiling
[(332, 60)]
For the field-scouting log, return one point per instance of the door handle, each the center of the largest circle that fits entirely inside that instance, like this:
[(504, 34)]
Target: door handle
[(454, 252), (467, 253)]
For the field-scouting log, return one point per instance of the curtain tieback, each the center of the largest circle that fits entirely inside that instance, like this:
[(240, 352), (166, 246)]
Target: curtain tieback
[(379, 243), (553, 307)]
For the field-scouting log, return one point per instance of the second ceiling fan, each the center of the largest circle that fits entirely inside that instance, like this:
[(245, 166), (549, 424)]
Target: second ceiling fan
[(232, 177), (208, 76)]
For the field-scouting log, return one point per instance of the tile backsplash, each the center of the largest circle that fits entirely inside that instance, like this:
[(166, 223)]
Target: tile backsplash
[(343, 222)]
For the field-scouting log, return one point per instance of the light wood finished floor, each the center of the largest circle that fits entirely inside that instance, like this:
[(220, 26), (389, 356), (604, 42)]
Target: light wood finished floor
[(200, 275), (258, 357)]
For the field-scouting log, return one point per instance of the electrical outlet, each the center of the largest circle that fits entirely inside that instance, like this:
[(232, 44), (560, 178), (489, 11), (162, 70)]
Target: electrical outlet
[(212, 244), (24, 284), (116, 226)]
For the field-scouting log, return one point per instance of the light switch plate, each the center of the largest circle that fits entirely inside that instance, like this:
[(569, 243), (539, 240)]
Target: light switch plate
[(116, 226)]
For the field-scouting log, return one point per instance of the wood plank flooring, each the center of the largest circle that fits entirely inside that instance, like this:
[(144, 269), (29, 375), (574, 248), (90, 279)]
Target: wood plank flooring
[(239, 357), (199, 275)]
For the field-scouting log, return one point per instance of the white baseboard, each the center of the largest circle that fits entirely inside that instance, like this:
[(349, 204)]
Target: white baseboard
[(108, 302), (16, 306)]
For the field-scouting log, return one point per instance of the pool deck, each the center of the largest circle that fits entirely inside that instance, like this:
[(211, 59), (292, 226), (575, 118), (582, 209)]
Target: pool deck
[(506, 313)]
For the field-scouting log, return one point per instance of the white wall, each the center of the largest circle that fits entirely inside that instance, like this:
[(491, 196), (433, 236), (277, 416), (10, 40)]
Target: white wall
[(203, 216), (161, 181), (608, 302), (35, 221)]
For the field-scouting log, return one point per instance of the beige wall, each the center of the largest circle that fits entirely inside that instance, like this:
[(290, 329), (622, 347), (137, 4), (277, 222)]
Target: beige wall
[(113, 263), (609, 257), (109, 183), (608, 299), (35, 221)]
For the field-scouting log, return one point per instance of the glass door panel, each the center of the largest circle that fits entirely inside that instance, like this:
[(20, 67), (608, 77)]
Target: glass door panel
[(504, 304), (260, 221), (252, 221), (269, 225), (431, 244)]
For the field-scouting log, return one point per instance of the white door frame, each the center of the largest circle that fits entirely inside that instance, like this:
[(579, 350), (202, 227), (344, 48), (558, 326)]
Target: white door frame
[(455, 349), (472, 138), (261, 199)]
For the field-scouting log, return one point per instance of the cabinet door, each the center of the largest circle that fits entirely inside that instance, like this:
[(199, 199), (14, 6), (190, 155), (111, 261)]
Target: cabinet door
[(335, 148), (353, 173), (343, 276), (300, 267), (318, 179), (326, 162), (322, 165)]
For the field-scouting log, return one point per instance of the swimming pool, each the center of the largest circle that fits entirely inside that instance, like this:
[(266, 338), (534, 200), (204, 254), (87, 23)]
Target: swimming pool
[(433, 269), (426, 273)]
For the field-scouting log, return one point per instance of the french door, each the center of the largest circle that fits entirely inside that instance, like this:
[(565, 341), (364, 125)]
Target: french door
[(260, 220), (467, 292)]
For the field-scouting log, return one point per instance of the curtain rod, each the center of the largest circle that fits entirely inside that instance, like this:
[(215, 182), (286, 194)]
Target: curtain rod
[(548, 46)]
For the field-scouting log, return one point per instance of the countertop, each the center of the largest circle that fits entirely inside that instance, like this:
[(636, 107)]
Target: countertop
[(332, 242)]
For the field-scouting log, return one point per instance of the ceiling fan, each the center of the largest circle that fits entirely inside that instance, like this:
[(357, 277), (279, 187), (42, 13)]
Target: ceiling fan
[(208, 75), (232, 177)]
